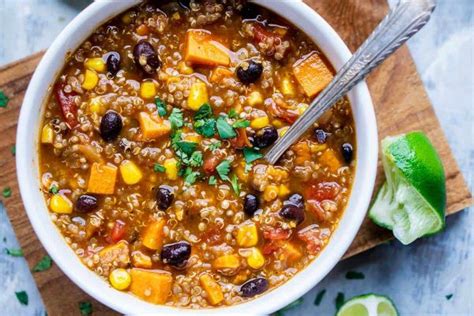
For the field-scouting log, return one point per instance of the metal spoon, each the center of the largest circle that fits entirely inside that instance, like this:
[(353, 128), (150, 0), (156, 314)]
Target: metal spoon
[(404, 21)]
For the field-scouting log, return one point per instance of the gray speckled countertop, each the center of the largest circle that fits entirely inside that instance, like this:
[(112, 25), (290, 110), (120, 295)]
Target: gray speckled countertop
[(416, 277)]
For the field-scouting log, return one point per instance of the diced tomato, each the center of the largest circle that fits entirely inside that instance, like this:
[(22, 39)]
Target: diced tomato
[(211, 162), (323, 191), (277, 233), (67, 105), (313, 237), (269, 247), (118, 231), (241, 140), (317, 210), (290, 116), (212, 236), (260, 34)]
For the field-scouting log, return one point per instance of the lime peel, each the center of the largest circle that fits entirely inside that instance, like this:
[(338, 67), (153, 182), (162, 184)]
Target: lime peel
[(368, 305)]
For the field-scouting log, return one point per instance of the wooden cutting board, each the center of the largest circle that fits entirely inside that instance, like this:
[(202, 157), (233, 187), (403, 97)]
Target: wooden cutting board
[(398, 94)]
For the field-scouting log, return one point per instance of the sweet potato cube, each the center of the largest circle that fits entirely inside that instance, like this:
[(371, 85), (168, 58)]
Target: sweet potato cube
[(226, 262), (312, 74), (153, 235), (152, 126), (329, 159), (102, 178), (117, 255), (289, 252), (212, 288), (201, 48), (153, 286), (219, 74)]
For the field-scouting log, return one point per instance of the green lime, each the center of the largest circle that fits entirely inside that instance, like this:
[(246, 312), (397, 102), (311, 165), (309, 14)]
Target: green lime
[(368, 305), (412, 201)]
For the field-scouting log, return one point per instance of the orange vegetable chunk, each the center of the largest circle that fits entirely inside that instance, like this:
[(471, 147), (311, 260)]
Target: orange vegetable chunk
[(312, 74), (153, 235), (152, 126), (219, 74), (201, 48), (330, 159), (212, 288), (153, 286), (102, 178)]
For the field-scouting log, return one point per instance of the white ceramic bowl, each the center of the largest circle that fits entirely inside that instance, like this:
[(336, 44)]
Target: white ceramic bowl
[(29, 178)]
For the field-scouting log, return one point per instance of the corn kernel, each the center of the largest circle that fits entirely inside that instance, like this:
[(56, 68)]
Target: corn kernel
[(283, 190), (247, 235), (96, 106), (120, 279), (140, 260), (226, 262), (171, 166), (193, 138), (302, 107), (278, 123), (282, 131), (259, 122), (90, 79), (270, 193), (96, 64), (287, 87), (184, 69), (212, 288), (130, 172), (176, 16), (147, 90), (60, 204), (47, 134), (255, 98), (143, 30), (256, 259), (197, 96)]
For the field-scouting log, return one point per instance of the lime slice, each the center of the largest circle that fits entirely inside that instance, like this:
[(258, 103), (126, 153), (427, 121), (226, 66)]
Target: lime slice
[(368, 305), (412, 201)]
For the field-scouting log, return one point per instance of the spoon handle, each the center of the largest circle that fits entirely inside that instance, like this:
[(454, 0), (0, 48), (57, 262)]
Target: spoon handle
[(404, 21)]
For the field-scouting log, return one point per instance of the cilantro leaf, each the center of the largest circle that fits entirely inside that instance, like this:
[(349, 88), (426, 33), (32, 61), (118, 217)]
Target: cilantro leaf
[(85, 308), (205, 127), (3, 100), (241, 124), (22, 297), (319, 297), (235, 184), (339, 301), (54, 189), (14, 252), (233, 113), (7, 192), (223, 170), (158, 168), (160, 107), (354, 275), (216, 144), (196, 159), (449, 296), (191, 177), (204, 112), (13, 150), (212, 180), (251, 154), (44, 264), (224, 129), (176, 118), (187, 147)]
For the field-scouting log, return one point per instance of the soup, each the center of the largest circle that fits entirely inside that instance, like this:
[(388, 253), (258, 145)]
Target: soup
[(152, 144)]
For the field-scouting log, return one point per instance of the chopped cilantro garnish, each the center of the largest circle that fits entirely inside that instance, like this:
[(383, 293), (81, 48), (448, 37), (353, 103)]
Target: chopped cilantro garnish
[(354, 275), (292, 305), (7, 192), (449, 296), (44, 264), (160, 107), (205, 127), (196, 159), (22, 297), (187, 147), (85, 308), (241, 124), (233, 113), (14, 252), (248, 168), (235, 184), (13, 149), (212, 180), (204, 112), (3, 100), (190, 176), (319, 297), (216, 144), (223, 170), (158, 168), (224, 129), (54, 189), (176, 118), (251, 154), (339, 301)]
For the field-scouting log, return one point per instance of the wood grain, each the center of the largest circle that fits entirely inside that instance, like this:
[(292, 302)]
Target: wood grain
[(400, 101)]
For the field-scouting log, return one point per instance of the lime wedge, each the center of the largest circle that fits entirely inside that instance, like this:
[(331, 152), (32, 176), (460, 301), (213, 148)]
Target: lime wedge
[(412, 201), (368, 305)]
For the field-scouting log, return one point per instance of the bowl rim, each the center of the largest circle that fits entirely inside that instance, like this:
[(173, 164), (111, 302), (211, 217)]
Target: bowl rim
[(301, 16)]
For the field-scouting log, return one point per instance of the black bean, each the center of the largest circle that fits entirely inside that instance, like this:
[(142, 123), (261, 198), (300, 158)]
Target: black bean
[(251, 74), (113, 63), (347, 152), (293, 213), (164, 197), (251, 204), (265, 137), (254, 287), (110, 126), (86, 203), (146, 58), (176, 254), (296, 199), (320, 135), (250, 11)]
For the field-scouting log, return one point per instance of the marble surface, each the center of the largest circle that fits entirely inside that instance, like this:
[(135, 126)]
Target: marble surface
[(416, 277)]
